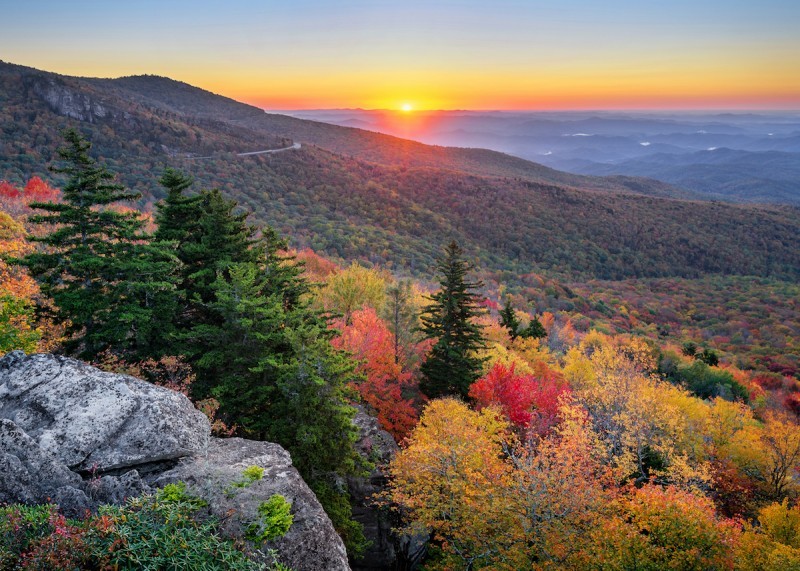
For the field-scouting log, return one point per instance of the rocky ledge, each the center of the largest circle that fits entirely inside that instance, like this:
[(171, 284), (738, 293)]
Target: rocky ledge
[(77, 436)]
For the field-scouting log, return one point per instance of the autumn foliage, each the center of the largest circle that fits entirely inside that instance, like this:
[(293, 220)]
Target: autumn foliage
[(529, 401), (389, 390)]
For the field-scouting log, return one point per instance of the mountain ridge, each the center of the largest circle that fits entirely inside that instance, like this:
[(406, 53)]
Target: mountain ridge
[(397, 210)]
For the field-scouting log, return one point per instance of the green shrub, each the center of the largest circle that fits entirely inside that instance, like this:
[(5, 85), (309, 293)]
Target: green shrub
[(274, 520), (253, 474), (151, 532), (250, 475), (176, 493), (708, 382)]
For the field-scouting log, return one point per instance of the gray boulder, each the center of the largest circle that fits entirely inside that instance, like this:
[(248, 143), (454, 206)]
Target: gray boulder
[(30, 475), (311, 543), (92, 420), (77, 436)]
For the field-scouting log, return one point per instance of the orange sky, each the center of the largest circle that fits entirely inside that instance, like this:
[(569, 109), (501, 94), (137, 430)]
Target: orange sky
[(431, 54)]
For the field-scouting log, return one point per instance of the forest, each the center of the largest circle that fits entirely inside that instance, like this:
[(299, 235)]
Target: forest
[(350, 194), (598, 425)]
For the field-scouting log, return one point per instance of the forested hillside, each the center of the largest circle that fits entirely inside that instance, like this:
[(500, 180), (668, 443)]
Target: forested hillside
[(565, 445), (352, 194)]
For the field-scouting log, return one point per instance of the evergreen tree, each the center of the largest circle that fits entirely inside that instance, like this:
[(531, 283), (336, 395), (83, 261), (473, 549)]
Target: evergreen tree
[(401, 317), (508, 319), (452, 364), (534, 330), (257, 345), (208, 236), (207, 233), (111, 283), (222, 237), (278, 378)]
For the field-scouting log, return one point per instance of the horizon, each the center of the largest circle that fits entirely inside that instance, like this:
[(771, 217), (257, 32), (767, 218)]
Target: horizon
[(445, 55)]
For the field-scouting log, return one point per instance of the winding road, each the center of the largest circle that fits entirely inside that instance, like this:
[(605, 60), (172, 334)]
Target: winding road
[(293, 147)]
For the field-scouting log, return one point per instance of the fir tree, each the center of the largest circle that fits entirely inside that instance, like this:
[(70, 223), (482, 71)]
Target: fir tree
[(508, 319), (207, 233), (111, 283), (278, 378), (401, 317), (452, 364), (534, 330), (208, 236), (257, 345)]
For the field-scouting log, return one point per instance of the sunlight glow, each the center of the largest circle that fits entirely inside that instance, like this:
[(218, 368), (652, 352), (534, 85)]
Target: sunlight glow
[(406, 107)]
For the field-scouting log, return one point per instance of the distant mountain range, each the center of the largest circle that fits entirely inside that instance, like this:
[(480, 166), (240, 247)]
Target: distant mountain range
[(358, 194), (753, 157)]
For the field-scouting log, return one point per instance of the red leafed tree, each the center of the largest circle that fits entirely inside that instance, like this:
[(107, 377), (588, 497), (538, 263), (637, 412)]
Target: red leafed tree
[(792, 403), (38, 190), (8, 190), (530, 402), (389, 390)]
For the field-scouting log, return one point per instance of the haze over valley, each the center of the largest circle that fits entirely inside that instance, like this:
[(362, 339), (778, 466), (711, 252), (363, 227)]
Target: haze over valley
[(734, 156)]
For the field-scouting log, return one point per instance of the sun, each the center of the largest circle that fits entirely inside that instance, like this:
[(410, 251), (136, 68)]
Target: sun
[(406, 107)]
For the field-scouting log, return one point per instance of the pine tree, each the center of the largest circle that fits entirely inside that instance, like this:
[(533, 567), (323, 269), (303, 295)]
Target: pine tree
[(452, 364), (112, 284), (207, 233), (208, 236), (534, 330), (401, 317), (508, 319), (278, 378), (257, 345)]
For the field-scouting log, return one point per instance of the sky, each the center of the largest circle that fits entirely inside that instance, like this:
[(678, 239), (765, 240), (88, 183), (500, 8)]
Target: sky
[(429, 54)]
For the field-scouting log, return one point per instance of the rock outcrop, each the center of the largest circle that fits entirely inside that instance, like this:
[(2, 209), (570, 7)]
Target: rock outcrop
[(387, 549), (218, 477), (77, 436)]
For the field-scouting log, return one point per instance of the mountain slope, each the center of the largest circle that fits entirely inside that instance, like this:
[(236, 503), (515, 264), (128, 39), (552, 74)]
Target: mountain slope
[(725, 174), (399, 208), (179, 97)]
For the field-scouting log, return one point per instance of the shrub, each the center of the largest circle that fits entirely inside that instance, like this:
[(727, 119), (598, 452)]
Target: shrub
[(151, 532), (253, 473), (38, 537), (250, 475), (176, 493), (708, 382), (161, 532), (274, 521)]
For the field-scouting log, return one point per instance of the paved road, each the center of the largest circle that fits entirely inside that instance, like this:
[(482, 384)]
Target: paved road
[(293, 147)]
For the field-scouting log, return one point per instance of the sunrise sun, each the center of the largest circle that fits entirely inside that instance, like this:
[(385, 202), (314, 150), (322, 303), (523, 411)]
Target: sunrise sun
[(406, 107)]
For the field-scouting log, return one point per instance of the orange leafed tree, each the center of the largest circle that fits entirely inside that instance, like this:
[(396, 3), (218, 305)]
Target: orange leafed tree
[(389, 390), (666, 528), (37, 190)]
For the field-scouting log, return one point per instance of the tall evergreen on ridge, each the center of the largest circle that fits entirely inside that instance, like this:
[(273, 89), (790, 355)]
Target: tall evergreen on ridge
[(207, 233), (257, 345), (534, 330), (509, 320), (112, 284), (208, 236), (452, 364)]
